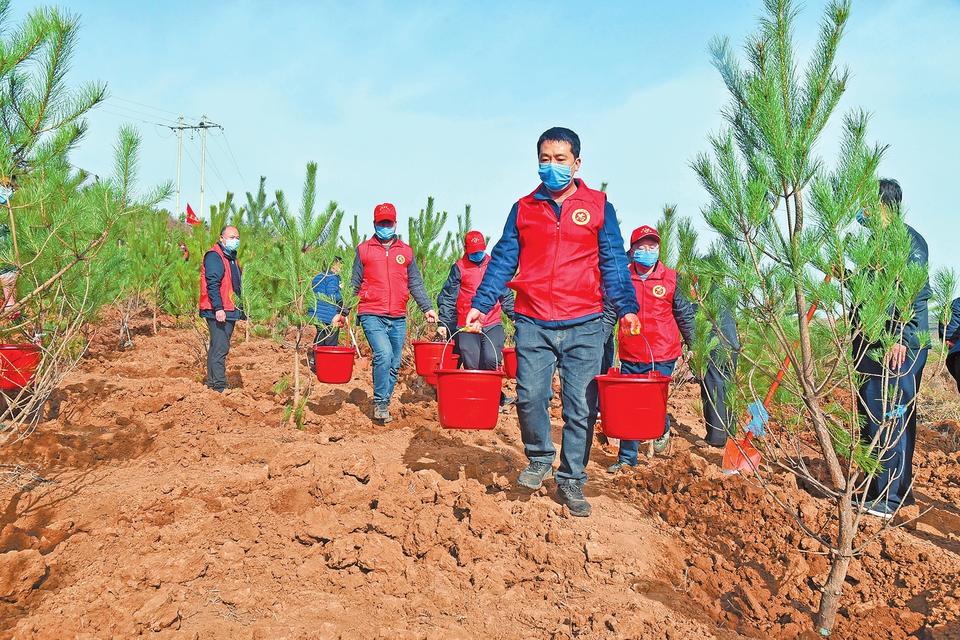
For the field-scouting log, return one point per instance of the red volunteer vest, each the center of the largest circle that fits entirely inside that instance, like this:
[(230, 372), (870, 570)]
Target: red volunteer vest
[(384, 291), (558, 277), (657, 323), (226, 285), (470, 276)]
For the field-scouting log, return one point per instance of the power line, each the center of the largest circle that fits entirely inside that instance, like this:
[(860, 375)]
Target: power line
[(143, 104), (229, 152)]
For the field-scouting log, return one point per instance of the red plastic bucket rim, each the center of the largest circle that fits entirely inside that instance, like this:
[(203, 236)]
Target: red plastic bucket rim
[(337, 349), (27, 346), (430, 342), (471, 372)]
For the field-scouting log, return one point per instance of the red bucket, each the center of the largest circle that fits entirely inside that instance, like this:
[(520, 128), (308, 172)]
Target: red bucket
[(468, 399), (634, 406), (333, 365), (510, 362), (18, 363), (427, 356)]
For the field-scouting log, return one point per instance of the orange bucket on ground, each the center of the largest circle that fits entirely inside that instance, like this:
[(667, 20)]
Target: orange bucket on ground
[(633, 405), (18, 363)]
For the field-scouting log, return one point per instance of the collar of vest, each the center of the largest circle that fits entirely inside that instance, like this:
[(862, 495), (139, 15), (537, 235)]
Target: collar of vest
[(659, 272), (541, 193)]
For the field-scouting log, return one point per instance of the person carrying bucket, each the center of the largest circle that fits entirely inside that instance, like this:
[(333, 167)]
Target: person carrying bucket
[(665, 314), (384, 277), (220, 289), (483, 351), (327, 305), (560, 243)]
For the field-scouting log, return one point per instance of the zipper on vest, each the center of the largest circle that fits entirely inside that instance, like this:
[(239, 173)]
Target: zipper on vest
[(555, 254), (386, 251)]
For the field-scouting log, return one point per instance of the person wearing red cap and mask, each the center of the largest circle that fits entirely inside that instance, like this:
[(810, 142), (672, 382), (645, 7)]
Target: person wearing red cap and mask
[(477, 350), (384, 277), (560, 245), (665, 314)]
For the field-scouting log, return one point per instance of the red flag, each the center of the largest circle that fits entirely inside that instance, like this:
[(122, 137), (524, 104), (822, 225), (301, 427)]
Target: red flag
[(192, 217)]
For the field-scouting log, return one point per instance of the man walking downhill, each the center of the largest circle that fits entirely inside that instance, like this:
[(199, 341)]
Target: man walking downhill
[(220, 275), (890, 409), (559, 245), (384, 277)]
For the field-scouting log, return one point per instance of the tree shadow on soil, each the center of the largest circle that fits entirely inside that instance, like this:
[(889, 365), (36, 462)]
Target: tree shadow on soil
[(450, 456), (331, 402)]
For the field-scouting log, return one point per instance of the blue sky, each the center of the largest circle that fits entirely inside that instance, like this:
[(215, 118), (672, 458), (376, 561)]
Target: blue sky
[(400, 100)]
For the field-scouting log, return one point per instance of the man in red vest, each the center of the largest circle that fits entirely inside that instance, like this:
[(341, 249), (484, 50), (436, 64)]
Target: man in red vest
[(559, 245), (665, 314), (477, 350), (384, 277), (220, 302)]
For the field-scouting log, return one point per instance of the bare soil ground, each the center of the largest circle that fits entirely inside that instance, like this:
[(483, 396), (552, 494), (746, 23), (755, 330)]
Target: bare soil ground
[(149, 505)]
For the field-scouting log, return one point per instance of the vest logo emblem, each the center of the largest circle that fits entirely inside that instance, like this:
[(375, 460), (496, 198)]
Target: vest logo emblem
[(659, 291), (581, 217), (401, 259)]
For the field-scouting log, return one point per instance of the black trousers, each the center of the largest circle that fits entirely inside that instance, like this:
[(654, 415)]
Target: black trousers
[(477, 352), (953, 366), (713, 394), (220, 333), (327, 336)]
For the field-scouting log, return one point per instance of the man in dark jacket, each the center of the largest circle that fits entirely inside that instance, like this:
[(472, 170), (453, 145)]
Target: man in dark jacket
[(384, 277), (482, 350), (560, 245), (891, 418), (951, 335), (721, 369), (327, 305), (220, 305)]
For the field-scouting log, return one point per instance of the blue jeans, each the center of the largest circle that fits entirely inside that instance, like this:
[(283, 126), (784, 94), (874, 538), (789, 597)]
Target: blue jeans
[(386, 336), (576, 351), (898, 434), (629, 449)]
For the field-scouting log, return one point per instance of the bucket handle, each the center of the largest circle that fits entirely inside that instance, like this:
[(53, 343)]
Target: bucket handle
[(464, 330), (353, 338), (653, 361)]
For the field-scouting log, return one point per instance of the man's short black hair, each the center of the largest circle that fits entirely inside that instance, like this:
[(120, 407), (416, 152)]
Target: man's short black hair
[(890, 193), (560, 134)]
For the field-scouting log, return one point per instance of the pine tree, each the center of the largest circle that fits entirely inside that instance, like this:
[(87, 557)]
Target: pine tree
[(304, 243), (783, 221)]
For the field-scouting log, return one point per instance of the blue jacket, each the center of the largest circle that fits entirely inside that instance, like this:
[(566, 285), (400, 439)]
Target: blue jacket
[(505, 258), (328, 300)]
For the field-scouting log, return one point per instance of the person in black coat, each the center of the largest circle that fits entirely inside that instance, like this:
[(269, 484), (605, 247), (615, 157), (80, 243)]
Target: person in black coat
[(951, 335)]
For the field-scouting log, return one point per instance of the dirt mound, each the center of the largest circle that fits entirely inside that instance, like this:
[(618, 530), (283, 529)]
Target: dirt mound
[(148, 504), (757, 572)]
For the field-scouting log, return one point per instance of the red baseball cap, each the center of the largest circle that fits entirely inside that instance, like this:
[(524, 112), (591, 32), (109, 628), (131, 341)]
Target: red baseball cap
[(384, 212), (646, 231), (474, 241)]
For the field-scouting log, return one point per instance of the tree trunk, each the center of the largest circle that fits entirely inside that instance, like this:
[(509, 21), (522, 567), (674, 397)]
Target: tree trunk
[(296, 380), (840, 563), (154, 320)]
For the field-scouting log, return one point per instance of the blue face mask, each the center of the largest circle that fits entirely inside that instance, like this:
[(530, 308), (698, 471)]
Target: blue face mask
[(646, 257), (476, 257), (231, 244), (862, 218), (384, 233), (556, 177)]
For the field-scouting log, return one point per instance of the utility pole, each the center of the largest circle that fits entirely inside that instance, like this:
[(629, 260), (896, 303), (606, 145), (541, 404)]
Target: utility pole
[(202, 126), (179, 159)]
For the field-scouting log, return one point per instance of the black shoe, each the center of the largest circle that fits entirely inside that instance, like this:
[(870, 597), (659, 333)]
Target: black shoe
[(533, 476), (571, 494)]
